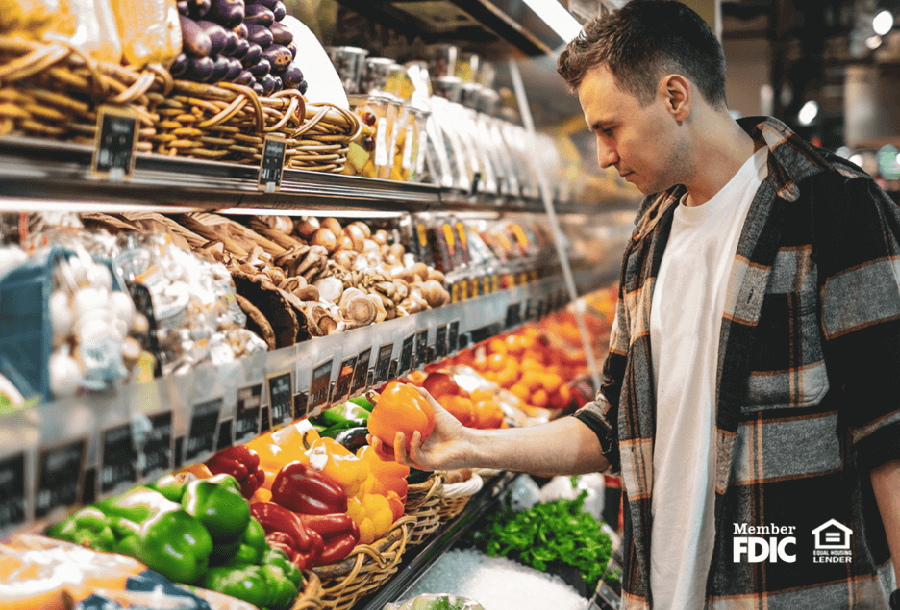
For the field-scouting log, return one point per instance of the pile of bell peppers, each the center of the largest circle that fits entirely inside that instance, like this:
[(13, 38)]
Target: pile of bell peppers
[(192, 531)]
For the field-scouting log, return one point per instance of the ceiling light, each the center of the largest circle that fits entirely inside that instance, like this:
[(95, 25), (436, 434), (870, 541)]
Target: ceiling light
[(808, 113), (553, 14), (883, 23), (873, 42)]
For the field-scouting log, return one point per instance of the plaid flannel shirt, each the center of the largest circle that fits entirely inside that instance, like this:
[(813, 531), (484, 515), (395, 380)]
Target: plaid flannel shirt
[(807, 384)]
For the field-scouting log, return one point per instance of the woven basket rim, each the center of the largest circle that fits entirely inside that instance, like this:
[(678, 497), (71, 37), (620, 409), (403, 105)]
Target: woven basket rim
[(399, 532)]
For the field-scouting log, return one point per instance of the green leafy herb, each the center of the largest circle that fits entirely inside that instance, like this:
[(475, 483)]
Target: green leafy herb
[(557, 532)]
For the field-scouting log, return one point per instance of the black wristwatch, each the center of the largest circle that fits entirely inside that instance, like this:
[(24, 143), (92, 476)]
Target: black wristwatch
[(894, 600)]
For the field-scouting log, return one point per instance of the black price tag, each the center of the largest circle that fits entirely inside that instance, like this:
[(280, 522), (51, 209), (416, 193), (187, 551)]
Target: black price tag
[(12, 491), (301, 404), (249, 404), (539, 310), (421, 348), (393, 372), (115, 143), (320, 386), (440, 342), (156, 454), (382, 367), (118, 461), (281, 399), (453, 337), (345, 378), (406, 356), (202, 435), (529, 310), (60, 469), (272, 165), (362, 370), (512, 315)]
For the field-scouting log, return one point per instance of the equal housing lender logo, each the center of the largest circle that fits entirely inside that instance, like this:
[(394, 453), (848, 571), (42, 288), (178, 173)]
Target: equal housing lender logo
[(778, 543)]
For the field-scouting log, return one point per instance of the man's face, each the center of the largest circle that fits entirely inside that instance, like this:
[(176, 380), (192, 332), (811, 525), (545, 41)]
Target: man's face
[(641, 142)]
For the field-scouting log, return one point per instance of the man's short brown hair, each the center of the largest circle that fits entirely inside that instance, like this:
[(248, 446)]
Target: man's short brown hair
[(642, 42)]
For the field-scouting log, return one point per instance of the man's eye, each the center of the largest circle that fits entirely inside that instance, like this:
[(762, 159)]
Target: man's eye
[(607, 131)]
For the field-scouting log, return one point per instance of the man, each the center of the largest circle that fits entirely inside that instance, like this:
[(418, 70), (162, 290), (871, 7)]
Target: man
[(750, 399)]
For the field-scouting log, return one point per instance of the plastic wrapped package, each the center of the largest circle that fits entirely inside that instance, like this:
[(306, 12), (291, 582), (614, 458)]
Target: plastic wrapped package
[(150, 31), (436, 601), (94, 31), (191, 303)]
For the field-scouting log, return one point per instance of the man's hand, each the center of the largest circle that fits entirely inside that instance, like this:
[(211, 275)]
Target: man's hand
[(447, 448)]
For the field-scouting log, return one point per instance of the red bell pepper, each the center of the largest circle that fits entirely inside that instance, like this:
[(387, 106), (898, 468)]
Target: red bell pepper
[(242, 463), (303, 490), (306, 545), (304, 560), (340, 532)]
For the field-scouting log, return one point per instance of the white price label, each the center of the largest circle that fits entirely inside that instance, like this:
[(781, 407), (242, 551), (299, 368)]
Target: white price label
[(381, 143), (408, 149)]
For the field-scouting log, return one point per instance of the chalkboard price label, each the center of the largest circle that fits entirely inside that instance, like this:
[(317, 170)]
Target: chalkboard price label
[(541, 306), (272, 165), (382, 368), (249, 404), (202, 435), (393, 369), (406, 355), (440, 342), (61, 471), (301, 405), (118, 462), (453, 337), (345, 378), (12, 491), (115, 143), (421, 348), (513, 313), (281, 399), (155, 457), (362, 371), (320, 386)]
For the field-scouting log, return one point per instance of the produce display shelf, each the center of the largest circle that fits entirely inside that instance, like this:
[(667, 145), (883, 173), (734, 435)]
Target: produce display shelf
[(34, 170), (416, 563), (180, 420)]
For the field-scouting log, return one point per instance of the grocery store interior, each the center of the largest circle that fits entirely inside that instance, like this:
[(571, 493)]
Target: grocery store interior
[(234, 237)]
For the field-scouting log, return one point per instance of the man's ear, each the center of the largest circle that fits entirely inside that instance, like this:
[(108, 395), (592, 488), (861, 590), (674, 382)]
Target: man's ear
[(676, 93)]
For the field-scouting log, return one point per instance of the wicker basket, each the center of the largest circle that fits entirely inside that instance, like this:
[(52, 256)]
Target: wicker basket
[(455, 496), (423, 502), (323, 141), (366, 569), (54, 90), (310, 598)]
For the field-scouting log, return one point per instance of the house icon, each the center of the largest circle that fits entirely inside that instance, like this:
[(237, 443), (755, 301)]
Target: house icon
[(832, 535)]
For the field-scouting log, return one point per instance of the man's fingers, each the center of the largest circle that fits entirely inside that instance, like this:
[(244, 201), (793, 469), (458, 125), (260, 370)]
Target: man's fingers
[(400, 448), (379, 448), (434, 403), (416, 453)]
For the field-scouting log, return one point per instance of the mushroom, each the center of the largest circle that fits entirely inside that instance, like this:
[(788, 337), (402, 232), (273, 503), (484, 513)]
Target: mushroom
[(433, 293), (333, 224), (345, 258), (434, 274), (330, 289), (380, 237), (357, 309), (356, 235), (380, 311), (306, 226), (325, 238), (367, 232), (306, 293)]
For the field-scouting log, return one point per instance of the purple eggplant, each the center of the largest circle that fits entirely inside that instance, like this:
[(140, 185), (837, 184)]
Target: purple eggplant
[(197, 9), (279, 84), (240, 50), (180, 66), (197, 42), (221, 64), (261, 68), (279, 10), (245, 78), (293, 49), (256, 14), (258, 88), (182, 7), (281, 34), (234, 70), (227, 12), (254, 54), (241, 30), (278, 56), (200, 69), (260, 34), (268, 84), (302, 87), (292, 75), (217, 34), (231, 43), (269, 4)]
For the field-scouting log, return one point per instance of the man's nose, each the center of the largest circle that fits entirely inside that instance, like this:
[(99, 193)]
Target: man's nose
[(606, 156)]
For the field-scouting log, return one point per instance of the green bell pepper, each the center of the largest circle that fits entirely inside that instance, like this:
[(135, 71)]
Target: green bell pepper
[(253, 545), (170, 487), (334, 430), (277, 558), (263, 586), (88, 527), (174, 544), (281, 591), (363, 402), (137, 505), (218, 504)]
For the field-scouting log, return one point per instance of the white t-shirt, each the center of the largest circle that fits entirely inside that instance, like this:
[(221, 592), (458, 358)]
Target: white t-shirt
[(685, 319)]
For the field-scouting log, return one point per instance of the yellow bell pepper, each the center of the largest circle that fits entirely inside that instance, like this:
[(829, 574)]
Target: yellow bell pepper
[(339, 465)]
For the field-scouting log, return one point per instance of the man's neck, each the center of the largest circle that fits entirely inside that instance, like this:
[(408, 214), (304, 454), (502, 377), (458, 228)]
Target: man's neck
[(723, 148)]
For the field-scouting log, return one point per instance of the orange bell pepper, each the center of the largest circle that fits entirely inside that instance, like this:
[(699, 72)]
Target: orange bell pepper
[(390, 476), (201, 471), (276, 449), (397, 505), (401, 408)]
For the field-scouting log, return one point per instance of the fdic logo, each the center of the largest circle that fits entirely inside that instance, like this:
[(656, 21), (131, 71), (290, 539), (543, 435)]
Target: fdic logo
[(750, 541)]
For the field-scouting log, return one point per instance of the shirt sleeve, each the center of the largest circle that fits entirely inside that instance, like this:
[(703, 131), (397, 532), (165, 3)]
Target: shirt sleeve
[(601, 415), (859, 271)]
